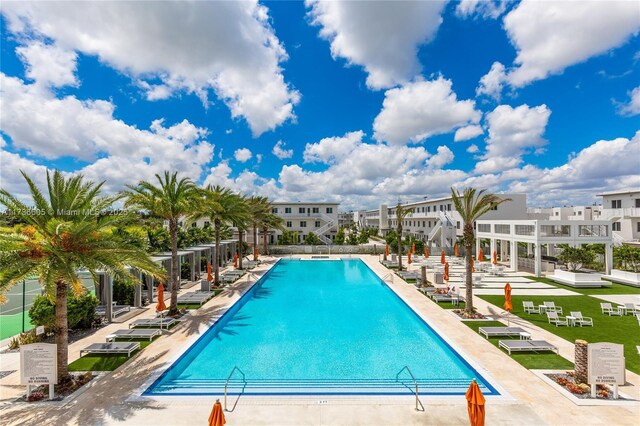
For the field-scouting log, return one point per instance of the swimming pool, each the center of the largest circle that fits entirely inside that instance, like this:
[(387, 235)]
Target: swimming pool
[(319, 327)]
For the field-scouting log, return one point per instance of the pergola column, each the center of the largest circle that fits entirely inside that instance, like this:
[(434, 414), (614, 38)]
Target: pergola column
[(137, 295), (608, 258), (513, 259), (149, 281), (492, 247), (108, 291), (537, 260), (477, 247), (503, 250), (529, 249), (193, 265)]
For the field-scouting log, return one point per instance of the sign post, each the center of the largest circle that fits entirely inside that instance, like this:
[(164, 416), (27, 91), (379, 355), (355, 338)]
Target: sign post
[(38, 366), (606, 365)]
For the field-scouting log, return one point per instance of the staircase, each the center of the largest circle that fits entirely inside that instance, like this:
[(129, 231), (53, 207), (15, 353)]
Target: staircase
[(444, 231), (329, 223)]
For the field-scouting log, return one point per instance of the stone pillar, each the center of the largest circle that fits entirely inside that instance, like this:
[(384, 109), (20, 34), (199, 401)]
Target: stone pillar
[(137, 296), (608, 258), (581, 362), (477, 247), (537, 260), (423, 276), (513, 257), (193, 265), (492, 248), (108, 303)]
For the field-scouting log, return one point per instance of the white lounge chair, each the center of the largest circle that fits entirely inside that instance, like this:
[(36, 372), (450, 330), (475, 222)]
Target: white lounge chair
[(153, 322), (501, 331), (526, 346), (530, 308), (134, 334), (582, 320), (111, 348), (554, 319), (551, 307), (608, 309)]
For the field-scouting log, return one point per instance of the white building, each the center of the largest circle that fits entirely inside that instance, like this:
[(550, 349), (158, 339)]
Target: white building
[(319, 218), (623, 209), (346, 219)]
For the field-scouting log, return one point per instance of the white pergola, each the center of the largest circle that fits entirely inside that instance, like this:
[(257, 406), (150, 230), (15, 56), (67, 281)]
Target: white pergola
[(535, 233)]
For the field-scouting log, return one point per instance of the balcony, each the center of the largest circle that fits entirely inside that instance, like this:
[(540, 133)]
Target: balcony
[(620, 213)]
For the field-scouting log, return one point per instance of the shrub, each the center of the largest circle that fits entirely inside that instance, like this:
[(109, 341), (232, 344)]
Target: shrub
[(123, 292), (81, 311), (311, 239), (339, 240), (576, 257)]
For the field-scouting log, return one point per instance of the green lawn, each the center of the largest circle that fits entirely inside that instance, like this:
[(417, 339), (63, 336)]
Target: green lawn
[(615, 329), (106, 362), (531, 360), (614, 289)]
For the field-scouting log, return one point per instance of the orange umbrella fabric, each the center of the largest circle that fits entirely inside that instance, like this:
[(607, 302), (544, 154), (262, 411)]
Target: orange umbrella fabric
[(475, 404), (480, 256), (442, 259), (495, 258), (235, 260), (216, 418), (386, 250), (255, 253), (209, 276), (446, 271), (160, 306), (508, 306), (409, 259), (413, 248), (473, 266), (456, 251), (426, 252)]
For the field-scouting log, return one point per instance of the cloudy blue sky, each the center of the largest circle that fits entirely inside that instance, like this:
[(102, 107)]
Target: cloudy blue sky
[(356, 102)]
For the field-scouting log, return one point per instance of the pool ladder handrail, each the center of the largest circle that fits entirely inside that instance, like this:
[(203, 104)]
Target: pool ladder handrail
[(415, 382), (252, 275), (226, 383), (389, 275)]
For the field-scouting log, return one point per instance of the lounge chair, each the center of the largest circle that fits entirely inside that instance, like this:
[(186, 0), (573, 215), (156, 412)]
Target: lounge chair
[(582, 320), (554, 319), (638, 316), (501, 331), (551, 307), (476, 280), (526, 346), (115, 310), (530, 308), (153, 323), (630, 308), (134, 334), (111, 348), (608, 309)]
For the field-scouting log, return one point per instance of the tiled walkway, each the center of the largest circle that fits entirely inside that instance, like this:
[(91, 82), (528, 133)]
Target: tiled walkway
[(529, 400)]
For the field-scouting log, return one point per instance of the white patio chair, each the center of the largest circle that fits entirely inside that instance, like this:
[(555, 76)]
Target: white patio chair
[(582, 320), (608, 309), (551, 307), (530, 308), (555, 319)]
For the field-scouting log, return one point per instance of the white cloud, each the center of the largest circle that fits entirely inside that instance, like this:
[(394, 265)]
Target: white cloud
[(633, 106), (242, 155), (259, 158), (197, 47), (280, 151), (551, 36), (491, 83), (49, 65), (12, 180), (467, 132), (513, 132), (472, 149), (488, 9), (443, 157), (421, 109), (330, 150), (383, 37)]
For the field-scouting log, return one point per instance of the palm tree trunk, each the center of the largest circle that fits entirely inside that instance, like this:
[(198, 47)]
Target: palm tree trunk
[(175, 270), (399, 248), (240, 248), (265, 233), (255, 240), (62, 331), (216, 265), (469, 269)]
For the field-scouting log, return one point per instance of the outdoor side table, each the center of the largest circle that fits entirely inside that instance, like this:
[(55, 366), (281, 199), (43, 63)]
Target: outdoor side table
[(571, 320), (525, 336)]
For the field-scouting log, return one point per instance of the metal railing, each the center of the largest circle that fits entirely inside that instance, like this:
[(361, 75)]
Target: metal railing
[(415, 383), (389, 275), (244, 381)]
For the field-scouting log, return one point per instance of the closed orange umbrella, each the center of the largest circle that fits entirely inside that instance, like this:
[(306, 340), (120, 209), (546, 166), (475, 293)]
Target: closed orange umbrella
[(209, 276), (255, 253), (508, 306), (216, 418), (386, 250), (235, 260), (481, 256), (495, 258), (160, 306), (473, 267), (409, 259), (426, 252), (456, 251), (446, 271), (413, 248), (442, 259), (475, 404)]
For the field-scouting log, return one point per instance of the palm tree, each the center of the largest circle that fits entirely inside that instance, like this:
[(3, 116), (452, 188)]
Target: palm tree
[(221, 206), (171, 200), (64, 233), (259, 208), (401, 214), (471, 204), (242, 223), (270, 221)]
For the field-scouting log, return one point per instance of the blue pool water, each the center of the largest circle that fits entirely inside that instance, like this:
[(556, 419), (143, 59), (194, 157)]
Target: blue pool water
[(319, 327)]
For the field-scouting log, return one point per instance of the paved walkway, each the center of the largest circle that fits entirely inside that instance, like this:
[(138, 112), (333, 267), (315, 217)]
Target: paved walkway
[(528, 401)]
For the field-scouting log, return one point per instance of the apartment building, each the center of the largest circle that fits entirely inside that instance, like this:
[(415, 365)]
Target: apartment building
[(302, 217), (622, 208), (346, 219)]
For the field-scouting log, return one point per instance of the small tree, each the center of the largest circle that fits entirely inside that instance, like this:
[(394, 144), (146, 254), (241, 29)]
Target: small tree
[(392, 240), (339, 240), (311, 239), (401, 213), (352, 240), (627, 258), (576, 257)]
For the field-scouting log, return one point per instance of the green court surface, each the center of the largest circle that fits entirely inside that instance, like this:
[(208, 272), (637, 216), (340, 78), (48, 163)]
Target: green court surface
[(10, 325)]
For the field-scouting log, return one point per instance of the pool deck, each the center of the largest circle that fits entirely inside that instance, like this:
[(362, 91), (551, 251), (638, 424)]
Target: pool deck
[(111, 398)]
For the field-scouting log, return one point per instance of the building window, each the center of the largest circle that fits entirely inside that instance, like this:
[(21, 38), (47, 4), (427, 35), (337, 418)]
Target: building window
[(616, 204), (329, 209), (315, 210), (503, 229), (484, 227), (194, 225), (289, 224), (580, 213), (317, 224), (458, 224), (287, 209), (302, 210), (303, 224), (557, 213), (449, 207), (428, 209), (207, 223), (525, 230), (637, 203), (615, 226), (638, 226), (423, 224), (274, 210)]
